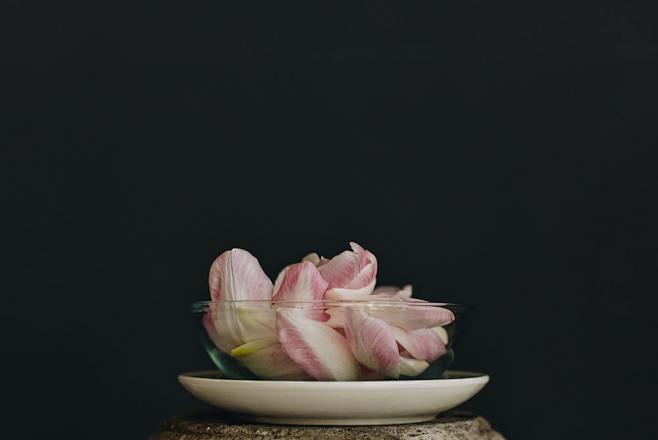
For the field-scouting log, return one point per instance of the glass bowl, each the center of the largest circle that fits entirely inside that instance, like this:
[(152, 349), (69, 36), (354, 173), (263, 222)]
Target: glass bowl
[(329, 340)]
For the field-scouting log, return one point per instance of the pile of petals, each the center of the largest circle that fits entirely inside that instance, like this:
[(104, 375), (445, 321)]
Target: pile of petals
[(322, 319)]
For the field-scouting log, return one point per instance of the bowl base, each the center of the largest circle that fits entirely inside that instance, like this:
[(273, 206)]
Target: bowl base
[(336, 421)]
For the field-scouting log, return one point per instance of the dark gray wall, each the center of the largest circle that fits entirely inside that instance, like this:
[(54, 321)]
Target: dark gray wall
[(493, 154)]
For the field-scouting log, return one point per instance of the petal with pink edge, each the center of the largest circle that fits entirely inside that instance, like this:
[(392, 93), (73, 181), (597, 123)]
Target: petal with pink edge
[(365, 256), (372, 342), (319, 350), (365, 279), (237, 275), (351, 275), (301, 282), (312, 257), (335, 317), (341, 270), (422, 344), (279, 279), (366, 259)]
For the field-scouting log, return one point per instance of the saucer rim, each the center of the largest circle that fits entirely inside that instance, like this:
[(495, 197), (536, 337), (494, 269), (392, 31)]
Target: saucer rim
[(471, 376)]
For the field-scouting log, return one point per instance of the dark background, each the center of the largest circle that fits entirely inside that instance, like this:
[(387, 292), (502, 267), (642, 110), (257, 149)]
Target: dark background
[(494, 154)]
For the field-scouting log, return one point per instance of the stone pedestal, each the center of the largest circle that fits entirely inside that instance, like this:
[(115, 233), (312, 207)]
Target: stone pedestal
[(215, 426)]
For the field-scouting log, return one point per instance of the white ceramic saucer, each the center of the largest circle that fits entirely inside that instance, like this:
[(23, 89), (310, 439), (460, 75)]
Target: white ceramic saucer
[(334, 403)]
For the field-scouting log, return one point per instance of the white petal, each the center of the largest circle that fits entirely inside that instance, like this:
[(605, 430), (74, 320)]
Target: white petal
[(267, 360), (236, 324), (412, 367), (443, 334), (342, 294), (313, 258), (386, 290)]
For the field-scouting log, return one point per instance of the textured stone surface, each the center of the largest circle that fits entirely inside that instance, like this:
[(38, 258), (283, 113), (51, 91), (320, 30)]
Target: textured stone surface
[(215, 426)]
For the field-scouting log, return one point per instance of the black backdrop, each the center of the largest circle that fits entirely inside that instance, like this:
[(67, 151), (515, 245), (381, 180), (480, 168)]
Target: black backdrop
[(491, 154)]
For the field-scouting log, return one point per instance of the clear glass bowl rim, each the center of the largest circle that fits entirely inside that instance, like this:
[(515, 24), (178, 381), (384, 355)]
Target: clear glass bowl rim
[(201, 306)]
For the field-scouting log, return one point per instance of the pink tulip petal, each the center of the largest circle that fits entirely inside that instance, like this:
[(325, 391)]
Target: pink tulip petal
[(351, 275), (312, 257), (318, 349), (237, 275), (396, 312), (423, 344), (301, 282), (341, 269), (412, 367), (268, 362), (372, 342), (412, 316)]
